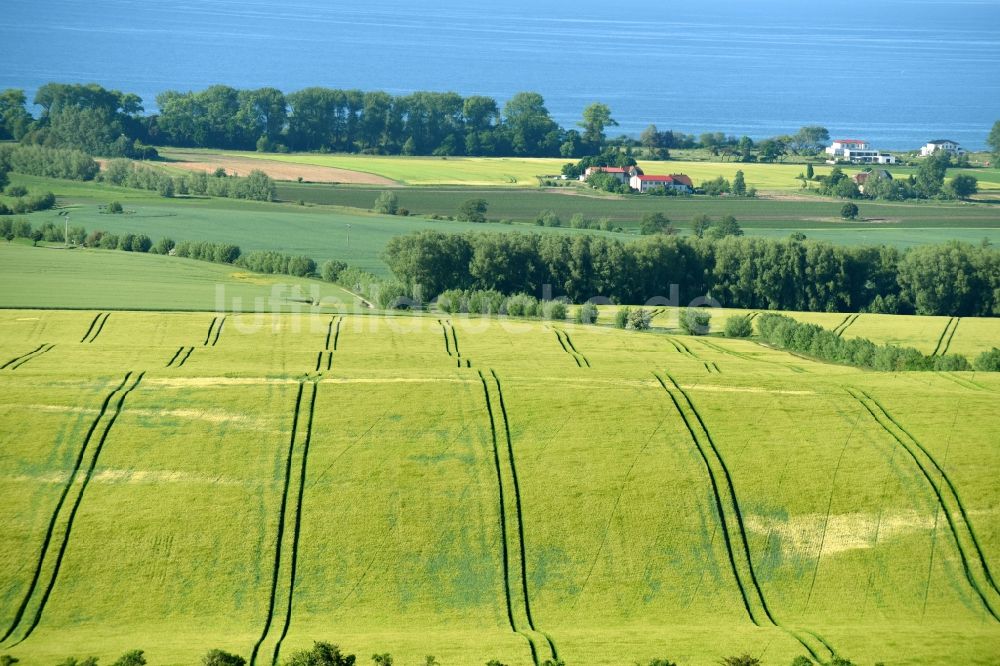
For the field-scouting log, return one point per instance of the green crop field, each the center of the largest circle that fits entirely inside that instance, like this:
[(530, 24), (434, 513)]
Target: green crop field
[(508, 171), (479, 489)]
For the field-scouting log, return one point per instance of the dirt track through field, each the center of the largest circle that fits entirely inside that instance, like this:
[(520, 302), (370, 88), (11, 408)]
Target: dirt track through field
[(275, 169)]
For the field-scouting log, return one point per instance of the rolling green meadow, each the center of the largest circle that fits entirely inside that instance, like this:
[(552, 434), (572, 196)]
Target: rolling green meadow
[(468, 488), (193, 456)]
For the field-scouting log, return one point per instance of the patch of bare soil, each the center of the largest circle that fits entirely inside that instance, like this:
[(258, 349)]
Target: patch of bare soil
[(276, 169)]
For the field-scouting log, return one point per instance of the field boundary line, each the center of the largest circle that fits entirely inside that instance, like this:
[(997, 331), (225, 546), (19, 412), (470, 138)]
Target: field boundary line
[(67, 533), (298, 522), (874, 409), (62, 498), (281, 528)]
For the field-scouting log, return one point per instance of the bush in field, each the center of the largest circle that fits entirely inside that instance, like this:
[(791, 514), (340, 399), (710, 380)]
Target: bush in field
[(69, 661), (332, 269), (640, 319), (952, 363), (849, 211), (548, 218), (473, 210), (162, 246), (321, 654), (695, 321), (658, 662), (8, 660), (802, 660), (555, 310), (452, 301), (387, 203), (16, 191), (739, 326), (587, 314), (989, 361), (522, 305), (393, 296), (222, 658), (115, 208), (300, 266), (131, 658), (741, 660), (485, 301), (621, 317), (384, 659)]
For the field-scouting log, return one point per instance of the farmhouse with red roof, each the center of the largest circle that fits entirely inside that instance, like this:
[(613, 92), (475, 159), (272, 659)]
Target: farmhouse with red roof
[(676, 181)]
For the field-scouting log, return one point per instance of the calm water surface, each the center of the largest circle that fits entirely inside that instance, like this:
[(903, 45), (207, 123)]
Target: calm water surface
[(895, 72)]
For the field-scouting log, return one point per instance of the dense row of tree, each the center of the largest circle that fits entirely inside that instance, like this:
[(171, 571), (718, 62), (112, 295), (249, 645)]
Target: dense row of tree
[(826, 345), (69, 164), (257, 186), (956, 279)]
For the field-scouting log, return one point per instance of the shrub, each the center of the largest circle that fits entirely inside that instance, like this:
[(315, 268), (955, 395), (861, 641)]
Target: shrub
[(695, 321), (587, 314), (473, 210), (222, 658), (485, 301), (387, 203), (300, 266), (741, 660), (555, 310), (115, 208), (522, 305), (384, 659), (452, 301), (640, 319), (393, 296), (658, 662), (8, 660), (952, 363), (131, 658), (988, 361), (332, 269), (69, 661), (162, 246), (548, 218), (321, 654), (621, 317), (653, 223), (17, 191), (849, 211), (802, 660), (739, 326)]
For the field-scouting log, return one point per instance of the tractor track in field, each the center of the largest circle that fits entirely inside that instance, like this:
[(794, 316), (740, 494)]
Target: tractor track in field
[(735, 536), (944, 340), (298, 522), (279, 545), (846, 324), (682, 348), (974, 564), (567, 346), (121, 393), (18, 361), (452, 343), (180, 357), (509, 532), (96, 326)]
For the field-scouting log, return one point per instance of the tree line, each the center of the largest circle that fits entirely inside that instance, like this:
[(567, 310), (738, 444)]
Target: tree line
[(954, 278)]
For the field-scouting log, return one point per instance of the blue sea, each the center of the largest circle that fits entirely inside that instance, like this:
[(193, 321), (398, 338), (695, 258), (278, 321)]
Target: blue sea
[(895, 72)]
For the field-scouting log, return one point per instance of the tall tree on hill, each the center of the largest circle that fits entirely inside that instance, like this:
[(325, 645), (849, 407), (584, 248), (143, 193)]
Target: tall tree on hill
[(596, 118), (993, 141), (532, 130), (14, 117)]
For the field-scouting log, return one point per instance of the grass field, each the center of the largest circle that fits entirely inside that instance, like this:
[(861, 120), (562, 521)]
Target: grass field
[(480, 489), (321, 231)]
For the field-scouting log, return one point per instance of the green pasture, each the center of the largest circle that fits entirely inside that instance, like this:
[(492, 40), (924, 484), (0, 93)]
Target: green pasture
[(524, 485)]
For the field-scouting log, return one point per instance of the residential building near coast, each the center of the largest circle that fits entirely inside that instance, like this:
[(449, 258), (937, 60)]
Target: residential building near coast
[(857, 151), (634, 177), (941, 145)]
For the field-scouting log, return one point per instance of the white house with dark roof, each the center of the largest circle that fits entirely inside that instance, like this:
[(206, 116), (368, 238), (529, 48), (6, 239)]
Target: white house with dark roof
[(856, 151), (946, 145), (677, 181)]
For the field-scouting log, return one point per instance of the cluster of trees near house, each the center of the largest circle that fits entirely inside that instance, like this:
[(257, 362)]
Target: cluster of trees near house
[(956, 279), (927, 183)]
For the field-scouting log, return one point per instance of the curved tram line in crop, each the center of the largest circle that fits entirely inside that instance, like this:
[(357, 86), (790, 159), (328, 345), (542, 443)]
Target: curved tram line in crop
[(728, 508), (977, 571), (63, 535)]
